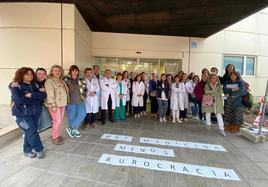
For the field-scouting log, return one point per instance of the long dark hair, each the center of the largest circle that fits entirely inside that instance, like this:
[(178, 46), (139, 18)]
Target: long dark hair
[(226, 71), (191, 76), (135, 79), (21, 72)]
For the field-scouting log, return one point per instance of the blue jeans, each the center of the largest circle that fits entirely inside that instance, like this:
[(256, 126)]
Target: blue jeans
[(29, 124), (162, 107), (76, 114), (194, 108)]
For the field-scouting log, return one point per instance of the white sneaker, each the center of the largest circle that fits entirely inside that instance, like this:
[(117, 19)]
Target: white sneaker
[(207, 127), (164, 119), (161, 120), (135, 116), (174, 120), (196, 117), (179, 121), (185, 119), (221, 132)]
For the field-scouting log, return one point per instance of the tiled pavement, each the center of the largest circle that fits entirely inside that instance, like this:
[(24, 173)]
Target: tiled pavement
[(75, 163)]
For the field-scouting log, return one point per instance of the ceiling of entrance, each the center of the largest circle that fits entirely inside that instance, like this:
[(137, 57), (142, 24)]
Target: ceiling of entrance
[(199, 18)]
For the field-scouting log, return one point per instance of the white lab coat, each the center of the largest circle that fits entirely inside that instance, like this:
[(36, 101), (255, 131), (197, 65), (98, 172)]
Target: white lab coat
[(127, 82), (138, 88), (174, 98), (92, 102), (124, 93), (108, 87), (100, 77), (183, 96)]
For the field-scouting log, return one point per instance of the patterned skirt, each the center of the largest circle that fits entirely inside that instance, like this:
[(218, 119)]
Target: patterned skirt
[(233, 111)]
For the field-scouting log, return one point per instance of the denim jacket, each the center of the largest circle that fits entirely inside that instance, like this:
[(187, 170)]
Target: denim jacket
[(24, 106)]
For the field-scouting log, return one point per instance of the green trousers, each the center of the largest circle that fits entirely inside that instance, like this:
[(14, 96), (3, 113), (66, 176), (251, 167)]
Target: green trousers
[(120, 112)]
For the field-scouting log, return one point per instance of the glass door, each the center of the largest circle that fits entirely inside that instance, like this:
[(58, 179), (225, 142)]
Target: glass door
[(170, 66), (106, 63), (138, 65)]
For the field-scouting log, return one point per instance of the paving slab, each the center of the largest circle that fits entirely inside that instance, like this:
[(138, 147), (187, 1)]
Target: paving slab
[(75, 163)]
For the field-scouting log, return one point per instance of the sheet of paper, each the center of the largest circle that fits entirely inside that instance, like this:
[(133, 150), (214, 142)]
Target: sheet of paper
[(117, 137), (183, 144), (231, 86), (144, 150), (169, 166)]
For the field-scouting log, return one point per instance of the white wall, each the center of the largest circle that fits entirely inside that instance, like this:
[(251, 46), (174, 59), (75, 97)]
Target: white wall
[(30, 35), (247, 37)]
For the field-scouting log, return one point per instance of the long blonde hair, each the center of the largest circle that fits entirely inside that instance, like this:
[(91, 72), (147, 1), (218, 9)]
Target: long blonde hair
[(52, 69)]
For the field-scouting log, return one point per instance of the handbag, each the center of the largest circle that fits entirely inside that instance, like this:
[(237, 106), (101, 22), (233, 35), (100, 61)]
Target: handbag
[(45, 120), (207, 100)]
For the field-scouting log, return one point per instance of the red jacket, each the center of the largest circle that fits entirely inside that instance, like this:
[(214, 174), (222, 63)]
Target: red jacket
[(199, 91)]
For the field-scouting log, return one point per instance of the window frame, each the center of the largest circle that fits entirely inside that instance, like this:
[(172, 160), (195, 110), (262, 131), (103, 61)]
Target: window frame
[(244, 63)]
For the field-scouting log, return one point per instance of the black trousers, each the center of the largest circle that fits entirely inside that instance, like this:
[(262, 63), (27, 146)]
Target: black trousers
[(199, 103), (137, 109), (129, 105), (110, 111), (154, 105), (168, 109), (145, 97), (90, 118), (183, 113)]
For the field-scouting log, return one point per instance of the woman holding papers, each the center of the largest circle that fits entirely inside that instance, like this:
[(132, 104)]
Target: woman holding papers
[(138, 89), (175, 100), (233, 107), (213, 91)]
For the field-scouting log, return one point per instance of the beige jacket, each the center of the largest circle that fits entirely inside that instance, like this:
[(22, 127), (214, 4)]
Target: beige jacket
[(57, 93)]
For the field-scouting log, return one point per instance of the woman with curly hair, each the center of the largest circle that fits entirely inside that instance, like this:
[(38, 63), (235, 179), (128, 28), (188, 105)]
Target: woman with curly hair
[(57, 96), (27, 100)]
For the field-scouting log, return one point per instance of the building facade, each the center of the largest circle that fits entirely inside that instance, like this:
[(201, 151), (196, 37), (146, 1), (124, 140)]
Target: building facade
[(43, 34)]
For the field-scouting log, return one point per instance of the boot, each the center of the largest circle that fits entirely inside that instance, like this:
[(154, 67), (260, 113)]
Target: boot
[(57, 141), (228, 127), (85, 126), (94, 125), (178, 120), (235, 128)]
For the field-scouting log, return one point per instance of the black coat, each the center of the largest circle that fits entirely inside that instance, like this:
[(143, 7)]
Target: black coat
[(166, 89)]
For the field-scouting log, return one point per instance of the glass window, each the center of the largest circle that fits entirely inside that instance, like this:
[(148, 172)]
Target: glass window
[(138, 65), (237, 61), (250, 66), (245, 65)]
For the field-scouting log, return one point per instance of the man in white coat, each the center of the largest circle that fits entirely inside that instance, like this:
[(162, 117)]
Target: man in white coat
[(108, 86), (98, 77), (92, 101)]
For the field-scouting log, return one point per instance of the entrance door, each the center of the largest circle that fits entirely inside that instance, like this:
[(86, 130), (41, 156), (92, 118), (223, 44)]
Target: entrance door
[(138, 65)]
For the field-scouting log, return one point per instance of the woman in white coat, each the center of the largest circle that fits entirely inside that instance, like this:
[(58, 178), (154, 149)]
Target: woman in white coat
[(108, 86), (183, 97), (92, 100), (138, 89), (120, 98), (175, 99)]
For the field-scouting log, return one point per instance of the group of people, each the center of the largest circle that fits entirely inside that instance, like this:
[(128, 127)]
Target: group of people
[(38, 97)]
